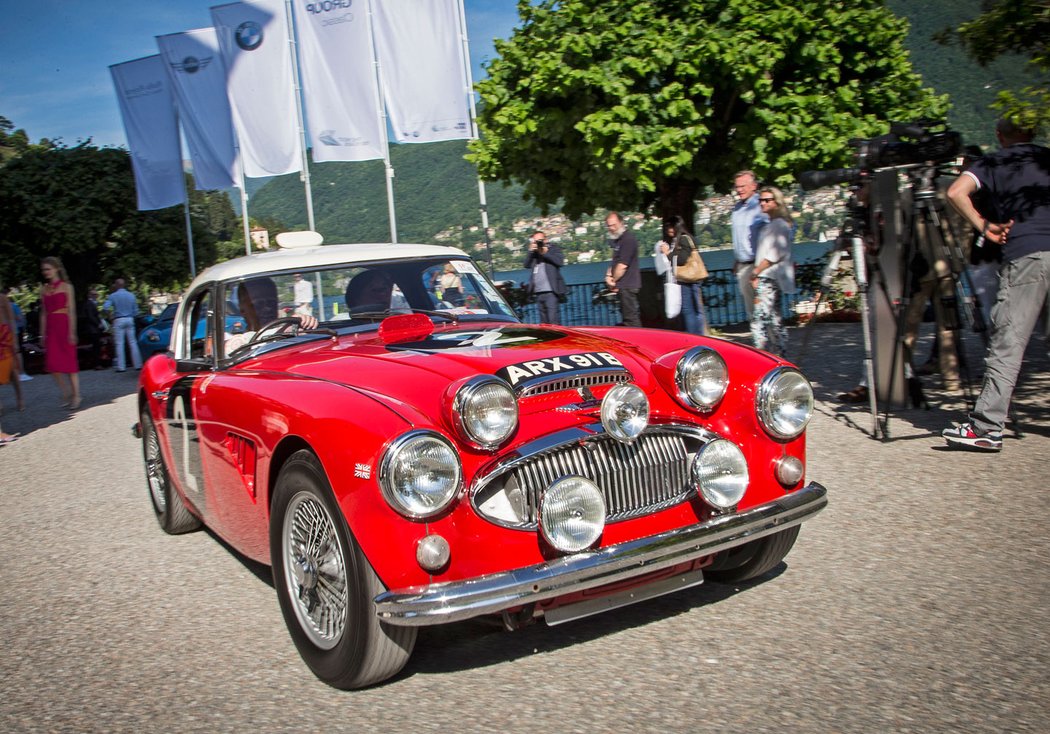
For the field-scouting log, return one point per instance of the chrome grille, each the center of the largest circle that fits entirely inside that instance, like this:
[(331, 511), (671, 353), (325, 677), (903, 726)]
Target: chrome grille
[(636, 479), (547, 385)]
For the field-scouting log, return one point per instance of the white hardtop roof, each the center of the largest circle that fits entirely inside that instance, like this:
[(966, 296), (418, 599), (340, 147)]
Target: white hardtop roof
[(310, 258)]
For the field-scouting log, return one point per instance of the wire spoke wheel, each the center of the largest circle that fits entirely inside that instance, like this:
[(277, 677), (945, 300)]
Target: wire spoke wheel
[(315, 570), (156, 474)]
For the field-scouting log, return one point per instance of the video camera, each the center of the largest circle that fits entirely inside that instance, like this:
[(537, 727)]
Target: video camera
[(907, 143)]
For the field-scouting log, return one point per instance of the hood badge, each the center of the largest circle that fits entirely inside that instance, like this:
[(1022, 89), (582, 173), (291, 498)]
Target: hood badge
[(587, 402)]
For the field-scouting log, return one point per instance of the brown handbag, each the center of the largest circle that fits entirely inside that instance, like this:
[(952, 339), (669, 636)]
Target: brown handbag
[(694, 269)]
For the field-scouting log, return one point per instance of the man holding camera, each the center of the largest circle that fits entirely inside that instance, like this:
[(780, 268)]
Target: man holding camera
[(1017, 181), (625, 273), (546, 285)]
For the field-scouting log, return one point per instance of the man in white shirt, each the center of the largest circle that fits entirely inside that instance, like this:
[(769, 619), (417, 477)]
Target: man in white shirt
[(304, 296)]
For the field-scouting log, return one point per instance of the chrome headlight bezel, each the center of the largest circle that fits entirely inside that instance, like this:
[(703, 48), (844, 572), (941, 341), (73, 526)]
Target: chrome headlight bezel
[(701, 378), (625, 412), (466, 404), (398, 464), (784, 387)]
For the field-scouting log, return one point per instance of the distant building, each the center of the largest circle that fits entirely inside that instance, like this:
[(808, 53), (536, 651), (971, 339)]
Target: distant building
[(260, 238)]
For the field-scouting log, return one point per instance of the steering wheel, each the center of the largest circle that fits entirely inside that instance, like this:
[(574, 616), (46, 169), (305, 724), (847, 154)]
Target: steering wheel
[(276, 329)]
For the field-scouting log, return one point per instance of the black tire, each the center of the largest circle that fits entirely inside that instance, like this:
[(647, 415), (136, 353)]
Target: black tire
[(168, 506), (326, 592), (752, 559)]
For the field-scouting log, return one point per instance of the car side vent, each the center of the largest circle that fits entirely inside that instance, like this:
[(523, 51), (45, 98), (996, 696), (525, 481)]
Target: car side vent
[(242, 451)]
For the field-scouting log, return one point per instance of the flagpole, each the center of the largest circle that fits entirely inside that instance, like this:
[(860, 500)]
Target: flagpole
[(381, 107), (186, 198), (482, 202), (305, 175), (244, 198)]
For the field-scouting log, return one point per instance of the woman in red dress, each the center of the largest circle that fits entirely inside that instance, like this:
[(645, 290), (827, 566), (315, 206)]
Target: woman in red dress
[(58, 330)]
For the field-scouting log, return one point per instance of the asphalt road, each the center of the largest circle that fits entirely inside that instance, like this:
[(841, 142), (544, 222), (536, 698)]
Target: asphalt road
[(917, 602)]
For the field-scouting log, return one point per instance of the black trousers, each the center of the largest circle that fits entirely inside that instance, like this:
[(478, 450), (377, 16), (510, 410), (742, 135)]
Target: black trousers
[(550, 311), (632, 314)]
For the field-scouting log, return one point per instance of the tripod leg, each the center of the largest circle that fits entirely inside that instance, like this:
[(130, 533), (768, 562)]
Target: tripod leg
[(861, 275)]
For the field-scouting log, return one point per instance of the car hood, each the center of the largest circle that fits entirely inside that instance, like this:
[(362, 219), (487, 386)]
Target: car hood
[(420, 371)]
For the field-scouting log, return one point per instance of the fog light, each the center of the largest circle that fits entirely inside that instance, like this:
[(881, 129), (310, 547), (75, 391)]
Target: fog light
[(572, 514), (720, 471), (789, 470), (432, 553), (625, 412)]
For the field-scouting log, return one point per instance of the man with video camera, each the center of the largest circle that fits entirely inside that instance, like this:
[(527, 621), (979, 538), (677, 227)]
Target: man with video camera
[(1017, 181), (546, 285)]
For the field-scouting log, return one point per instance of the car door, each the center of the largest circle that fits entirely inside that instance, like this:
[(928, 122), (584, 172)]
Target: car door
[(194, 366)]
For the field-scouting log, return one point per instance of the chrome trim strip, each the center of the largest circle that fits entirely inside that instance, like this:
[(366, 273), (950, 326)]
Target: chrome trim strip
[(458, 600)]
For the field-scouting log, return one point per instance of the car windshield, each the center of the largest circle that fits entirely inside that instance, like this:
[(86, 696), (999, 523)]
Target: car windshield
[(349, 296)]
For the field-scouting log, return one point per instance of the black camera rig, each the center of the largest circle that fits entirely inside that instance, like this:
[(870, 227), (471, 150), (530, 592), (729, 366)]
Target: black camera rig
[(906, 144)]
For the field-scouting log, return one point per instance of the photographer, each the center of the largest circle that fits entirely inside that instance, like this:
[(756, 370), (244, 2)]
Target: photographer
[(546, 284), (1017, 179)]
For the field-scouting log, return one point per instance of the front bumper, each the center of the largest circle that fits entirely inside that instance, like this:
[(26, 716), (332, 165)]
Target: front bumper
[(458, 600)]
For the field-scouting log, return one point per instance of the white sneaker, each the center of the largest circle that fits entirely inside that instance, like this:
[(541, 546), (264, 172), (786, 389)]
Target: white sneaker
[(24, 377)]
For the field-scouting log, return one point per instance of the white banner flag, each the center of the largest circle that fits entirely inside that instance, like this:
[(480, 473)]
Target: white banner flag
[(259, 83), (198, 80), (338, 77), (150, 125), (424, 73)]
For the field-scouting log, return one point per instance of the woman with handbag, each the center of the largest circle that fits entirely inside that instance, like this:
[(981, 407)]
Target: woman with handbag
[(689, 272), (774, 273)]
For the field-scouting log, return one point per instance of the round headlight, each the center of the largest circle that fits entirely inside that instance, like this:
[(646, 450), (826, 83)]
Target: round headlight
[(702, 378), (420, 474), (486, 411), (572, 514), (784, 402), (625, 412), (720, 471)]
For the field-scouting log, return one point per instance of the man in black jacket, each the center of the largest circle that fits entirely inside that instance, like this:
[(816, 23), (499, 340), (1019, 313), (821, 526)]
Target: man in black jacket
[(545, 282)]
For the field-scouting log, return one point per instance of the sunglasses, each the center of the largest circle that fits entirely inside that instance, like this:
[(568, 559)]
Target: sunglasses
[(768, 198)]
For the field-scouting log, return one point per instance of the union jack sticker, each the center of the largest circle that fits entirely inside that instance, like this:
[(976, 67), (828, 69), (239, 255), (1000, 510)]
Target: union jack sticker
[(362, 471)]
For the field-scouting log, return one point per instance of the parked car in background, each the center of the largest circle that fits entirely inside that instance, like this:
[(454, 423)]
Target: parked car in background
[(156, 335), (411, 461), (88, 358)]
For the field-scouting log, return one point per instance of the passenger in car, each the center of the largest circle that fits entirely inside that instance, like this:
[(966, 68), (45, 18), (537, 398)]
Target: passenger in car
[(369, 290)]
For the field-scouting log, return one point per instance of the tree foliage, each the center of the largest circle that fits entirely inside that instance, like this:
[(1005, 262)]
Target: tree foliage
[(1013, 26), (78, 203), (633, 105)]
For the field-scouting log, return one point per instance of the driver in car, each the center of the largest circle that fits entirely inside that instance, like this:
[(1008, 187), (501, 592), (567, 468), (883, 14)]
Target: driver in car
[(257, 299)]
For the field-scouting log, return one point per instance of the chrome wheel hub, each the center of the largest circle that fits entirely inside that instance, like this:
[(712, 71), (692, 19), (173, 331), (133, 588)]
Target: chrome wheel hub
[(315, 572)]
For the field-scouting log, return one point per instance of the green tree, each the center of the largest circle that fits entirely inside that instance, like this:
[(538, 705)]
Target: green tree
[(635, 106), (1013, 26), (78, 203)]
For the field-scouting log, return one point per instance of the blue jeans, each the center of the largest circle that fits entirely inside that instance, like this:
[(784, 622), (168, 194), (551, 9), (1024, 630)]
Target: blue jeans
[(693, 308)]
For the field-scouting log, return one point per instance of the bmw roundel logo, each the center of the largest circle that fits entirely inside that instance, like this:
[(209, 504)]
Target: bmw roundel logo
[(248, 35)]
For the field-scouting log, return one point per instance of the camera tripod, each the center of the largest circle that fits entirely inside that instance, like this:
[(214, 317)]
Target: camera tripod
[(928, 233), (930, 236), (851, 241)]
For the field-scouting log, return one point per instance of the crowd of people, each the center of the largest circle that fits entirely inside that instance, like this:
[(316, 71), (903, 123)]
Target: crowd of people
[(61, 327)]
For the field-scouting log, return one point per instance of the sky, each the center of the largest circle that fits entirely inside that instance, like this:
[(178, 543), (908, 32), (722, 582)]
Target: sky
[(55, 57)]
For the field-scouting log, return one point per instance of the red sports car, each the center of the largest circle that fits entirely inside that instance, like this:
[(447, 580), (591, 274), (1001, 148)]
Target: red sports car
[(403, 451)]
